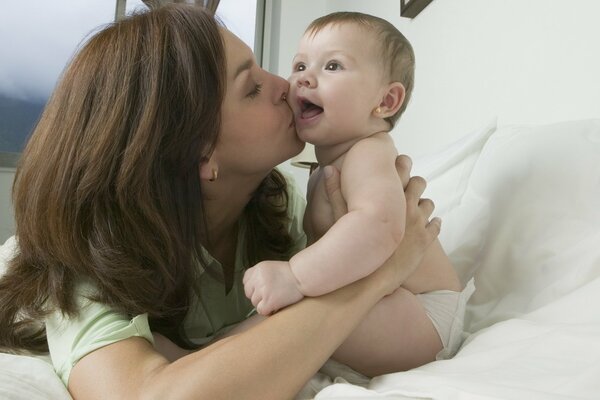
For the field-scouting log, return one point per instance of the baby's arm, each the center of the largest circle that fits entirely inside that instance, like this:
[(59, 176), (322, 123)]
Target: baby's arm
[(360, 241)]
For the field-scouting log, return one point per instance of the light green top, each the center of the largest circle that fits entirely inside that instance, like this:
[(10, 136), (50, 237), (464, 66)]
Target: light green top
[(211, 313)]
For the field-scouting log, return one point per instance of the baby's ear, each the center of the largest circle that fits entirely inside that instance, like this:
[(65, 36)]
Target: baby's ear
[(392, 100)]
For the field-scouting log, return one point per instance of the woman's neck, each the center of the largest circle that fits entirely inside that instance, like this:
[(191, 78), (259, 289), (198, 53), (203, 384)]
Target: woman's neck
[(224, 202)]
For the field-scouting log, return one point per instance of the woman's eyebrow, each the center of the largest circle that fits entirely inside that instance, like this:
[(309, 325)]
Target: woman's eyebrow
[(242, 67)]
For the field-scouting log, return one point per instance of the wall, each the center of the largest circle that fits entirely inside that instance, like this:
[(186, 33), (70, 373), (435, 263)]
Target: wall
[(533, 61), (285, 21), (7, 224)]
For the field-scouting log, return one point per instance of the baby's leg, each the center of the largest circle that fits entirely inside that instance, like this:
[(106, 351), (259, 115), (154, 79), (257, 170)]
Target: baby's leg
[(396, 335), (434, 273)]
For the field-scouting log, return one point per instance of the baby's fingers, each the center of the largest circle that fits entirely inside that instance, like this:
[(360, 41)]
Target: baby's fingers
[(263, 308), (247, 275), (256, 299), (249, 285)]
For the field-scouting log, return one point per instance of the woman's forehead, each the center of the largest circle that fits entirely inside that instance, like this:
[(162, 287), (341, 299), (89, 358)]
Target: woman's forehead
[(238, 53)]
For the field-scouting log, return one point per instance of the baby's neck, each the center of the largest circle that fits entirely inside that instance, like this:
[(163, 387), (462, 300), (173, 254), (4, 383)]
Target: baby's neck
[(334, 154)]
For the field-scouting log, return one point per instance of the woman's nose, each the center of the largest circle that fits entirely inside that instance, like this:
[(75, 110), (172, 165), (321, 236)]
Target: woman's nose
[(282, 87)]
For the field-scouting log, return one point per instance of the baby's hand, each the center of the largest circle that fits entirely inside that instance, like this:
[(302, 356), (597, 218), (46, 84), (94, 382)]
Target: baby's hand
[(271, 285)]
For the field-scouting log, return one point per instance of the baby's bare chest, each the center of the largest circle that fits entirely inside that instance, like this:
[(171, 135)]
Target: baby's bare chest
[(318, 217)]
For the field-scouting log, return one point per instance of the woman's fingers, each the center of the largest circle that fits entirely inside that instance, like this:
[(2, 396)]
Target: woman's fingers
[(333, 188), (434, 226), (427, 206), (418, 212), (403, 166), (415, 188)]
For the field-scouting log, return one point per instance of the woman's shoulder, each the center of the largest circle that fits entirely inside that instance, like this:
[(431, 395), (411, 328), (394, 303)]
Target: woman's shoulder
[(95, 325)]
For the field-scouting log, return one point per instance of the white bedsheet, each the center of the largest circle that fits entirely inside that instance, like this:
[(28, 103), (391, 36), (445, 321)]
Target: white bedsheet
[(521, 213), (537, 356)]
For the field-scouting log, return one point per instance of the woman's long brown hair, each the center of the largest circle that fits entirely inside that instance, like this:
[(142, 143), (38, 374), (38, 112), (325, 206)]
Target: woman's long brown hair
[(108, 190)]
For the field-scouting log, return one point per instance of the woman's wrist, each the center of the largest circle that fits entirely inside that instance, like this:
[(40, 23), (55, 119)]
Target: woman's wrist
[(396, 270)]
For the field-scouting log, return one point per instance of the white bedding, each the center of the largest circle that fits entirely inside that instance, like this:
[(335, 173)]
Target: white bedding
[(521, 213), (528, 228)]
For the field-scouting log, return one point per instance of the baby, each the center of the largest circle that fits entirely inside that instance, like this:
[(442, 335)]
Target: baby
[(351, 80)]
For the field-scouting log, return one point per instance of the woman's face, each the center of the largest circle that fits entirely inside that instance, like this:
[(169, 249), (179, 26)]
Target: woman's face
[(257, 127)]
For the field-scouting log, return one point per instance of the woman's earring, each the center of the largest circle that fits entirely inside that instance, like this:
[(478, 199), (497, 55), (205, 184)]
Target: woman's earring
[(378, 110), (215, 174)]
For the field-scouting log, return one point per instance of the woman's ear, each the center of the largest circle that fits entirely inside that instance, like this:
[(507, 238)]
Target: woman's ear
[(209, 169), (392, 100)]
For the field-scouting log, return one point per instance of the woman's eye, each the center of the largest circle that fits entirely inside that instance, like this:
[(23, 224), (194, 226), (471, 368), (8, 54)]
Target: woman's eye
[(256, 91), (333, 66)]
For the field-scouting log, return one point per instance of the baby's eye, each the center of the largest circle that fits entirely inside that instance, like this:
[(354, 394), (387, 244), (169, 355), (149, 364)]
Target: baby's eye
[(299, 67), (333, 66)]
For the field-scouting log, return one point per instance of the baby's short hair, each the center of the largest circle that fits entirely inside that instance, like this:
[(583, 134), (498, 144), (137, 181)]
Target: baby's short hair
[(395, 49)]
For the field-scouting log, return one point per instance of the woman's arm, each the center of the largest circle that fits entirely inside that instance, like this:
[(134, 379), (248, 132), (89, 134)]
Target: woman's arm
[(268, 361)]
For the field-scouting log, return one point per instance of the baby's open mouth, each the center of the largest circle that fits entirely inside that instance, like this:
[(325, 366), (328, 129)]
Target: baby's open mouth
[(308, 109)]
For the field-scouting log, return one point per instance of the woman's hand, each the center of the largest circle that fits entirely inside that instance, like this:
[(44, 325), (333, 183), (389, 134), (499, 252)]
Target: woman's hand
[(419, 235), (419, 231)]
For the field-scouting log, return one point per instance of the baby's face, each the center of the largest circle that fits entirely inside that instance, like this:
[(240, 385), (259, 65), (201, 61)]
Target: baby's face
[(337, 81)]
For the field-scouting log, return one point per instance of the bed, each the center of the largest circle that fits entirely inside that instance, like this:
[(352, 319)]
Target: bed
[(521, 214)]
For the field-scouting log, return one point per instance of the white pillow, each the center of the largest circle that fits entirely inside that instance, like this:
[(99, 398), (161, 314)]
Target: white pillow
[(447, 171), (6, 253), (528, 225), (29, 378)]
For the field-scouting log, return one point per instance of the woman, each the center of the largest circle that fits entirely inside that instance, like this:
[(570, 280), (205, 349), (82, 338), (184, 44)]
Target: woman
[(146, 189)]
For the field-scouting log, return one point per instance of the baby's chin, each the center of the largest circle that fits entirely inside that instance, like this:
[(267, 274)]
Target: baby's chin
[(303, 134)]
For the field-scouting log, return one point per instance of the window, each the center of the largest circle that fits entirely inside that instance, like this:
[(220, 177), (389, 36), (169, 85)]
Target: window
[(242, 17), (37, 40)]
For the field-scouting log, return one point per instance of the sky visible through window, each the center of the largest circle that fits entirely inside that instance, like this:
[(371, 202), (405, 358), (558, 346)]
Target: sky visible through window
[(37, 39)]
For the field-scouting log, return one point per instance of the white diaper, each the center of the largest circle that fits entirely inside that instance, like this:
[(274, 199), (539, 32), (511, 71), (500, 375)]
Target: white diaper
[(446, 309)]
